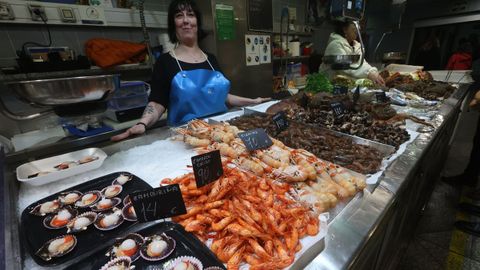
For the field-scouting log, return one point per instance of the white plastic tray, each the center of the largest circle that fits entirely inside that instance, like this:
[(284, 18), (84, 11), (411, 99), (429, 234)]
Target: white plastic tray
[(48, 164)]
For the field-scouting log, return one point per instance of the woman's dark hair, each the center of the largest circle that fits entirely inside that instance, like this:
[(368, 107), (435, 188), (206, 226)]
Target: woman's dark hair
[(339, 26), (181, 5)]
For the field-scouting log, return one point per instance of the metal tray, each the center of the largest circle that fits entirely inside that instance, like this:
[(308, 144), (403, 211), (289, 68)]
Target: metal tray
[(34, 234), (48, 164), (187, 245)]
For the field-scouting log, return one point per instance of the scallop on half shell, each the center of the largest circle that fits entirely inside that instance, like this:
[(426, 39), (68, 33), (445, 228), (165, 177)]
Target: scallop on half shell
[(122, 179), (106, 204), (57, 247), (128, 213), (121, 263), (109, 220), (61, 219), (112, 191), (49, 207), (128, 246), (157, 247), (81, 222), (89, 198), (185, 263), (70, 197)]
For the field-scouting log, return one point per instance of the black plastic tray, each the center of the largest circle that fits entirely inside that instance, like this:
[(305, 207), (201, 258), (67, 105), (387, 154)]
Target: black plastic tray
[(35, 234), (187, 245)]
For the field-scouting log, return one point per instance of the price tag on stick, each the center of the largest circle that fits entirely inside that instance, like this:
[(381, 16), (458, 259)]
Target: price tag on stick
[(158, 203), (339, 90), (207, 168), (381, 97), (338, 109), (255, 139), (280, 121)]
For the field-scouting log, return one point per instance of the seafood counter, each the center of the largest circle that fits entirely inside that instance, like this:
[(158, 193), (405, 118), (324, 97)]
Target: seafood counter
[(268, 210)]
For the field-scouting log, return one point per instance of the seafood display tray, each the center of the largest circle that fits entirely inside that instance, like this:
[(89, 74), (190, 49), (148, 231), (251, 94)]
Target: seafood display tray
[(48, 164), (34, 233), (186, 245), (386, 150)]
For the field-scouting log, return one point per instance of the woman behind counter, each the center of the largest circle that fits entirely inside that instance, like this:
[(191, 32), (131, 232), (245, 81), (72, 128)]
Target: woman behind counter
[(344, 42), (186, 81)]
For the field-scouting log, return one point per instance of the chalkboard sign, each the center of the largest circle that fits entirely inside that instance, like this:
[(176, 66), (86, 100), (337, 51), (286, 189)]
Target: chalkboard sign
[(280, 121), (158, 203), (207, 168), (255, 139), (340, 90), (381, 97), (338, 109), (260, 15)]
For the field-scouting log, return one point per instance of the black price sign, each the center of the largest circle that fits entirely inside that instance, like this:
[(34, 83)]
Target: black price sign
[(338, 108), (158, 203), (356, 95), (381, 97), (255, 139), (340, 90), (280, 121), (207, 168)]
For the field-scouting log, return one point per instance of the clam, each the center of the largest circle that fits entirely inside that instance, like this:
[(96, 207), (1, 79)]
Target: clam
[(106, 204), (109, 220), (89, 198), (61, 219), (46, 208), (185, 263), (120, 263), (57, 247), (128, 246), (81, 222), (38, 174), (127, 200), (112, 191), (70, 197), (65, 165), (128, 212), (122, 179), (157, 247)]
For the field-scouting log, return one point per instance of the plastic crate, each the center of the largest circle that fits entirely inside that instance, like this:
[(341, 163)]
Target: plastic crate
[(132, 88), (128, 102)]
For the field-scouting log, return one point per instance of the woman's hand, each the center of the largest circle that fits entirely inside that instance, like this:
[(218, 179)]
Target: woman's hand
[(259, 100), (475, 103), (138, 129), (376, 78)]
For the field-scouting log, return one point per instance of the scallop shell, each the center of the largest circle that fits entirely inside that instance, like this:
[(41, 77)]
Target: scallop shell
[(127, 200), (46, 255), (127, 215), (37, 212), (129, 177), (62, 196), (120, 261), (171, 243), (135, 237), (80, 204), (120, 188), (101, 216), (92, 216), (115, 202), (47, 221), (194, 261)]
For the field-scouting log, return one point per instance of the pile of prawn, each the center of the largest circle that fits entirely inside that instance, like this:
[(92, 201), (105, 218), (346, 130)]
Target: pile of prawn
[(250, 219), (319, 182)]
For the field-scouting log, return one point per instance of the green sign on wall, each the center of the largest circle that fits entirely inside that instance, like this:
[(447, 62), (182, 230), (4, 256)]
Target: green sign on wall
[(225, 22)]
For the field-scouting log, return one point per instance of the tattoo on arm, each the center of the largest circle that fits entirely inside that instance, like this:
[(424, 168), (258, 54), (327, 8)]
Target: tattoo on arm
[(149, 110)]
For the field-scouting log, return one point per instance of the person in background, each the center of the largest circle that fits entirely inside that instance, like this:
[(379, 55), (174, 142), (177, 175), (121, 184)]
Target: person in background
[(186, 81), (344, 42), (462, 58), (428, 55)]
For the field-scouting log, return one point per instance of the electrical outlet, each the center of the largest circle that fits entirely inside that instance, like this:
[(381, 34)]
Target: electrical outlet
[(6, 11), (37, 12)]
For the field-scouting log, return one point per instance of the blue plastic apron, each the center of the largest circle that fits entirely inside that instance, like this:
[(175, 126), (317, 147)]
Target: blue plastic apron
[(196, 93)]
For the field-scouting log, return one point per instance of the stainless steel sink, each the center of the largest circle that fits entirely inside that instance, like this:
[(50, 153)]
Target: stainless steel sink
[(66, 91)]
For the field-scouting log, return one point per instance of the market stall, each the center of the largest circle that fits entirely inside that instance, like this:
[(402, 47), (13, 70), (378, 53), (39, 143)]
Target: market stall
[(356, 199)]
